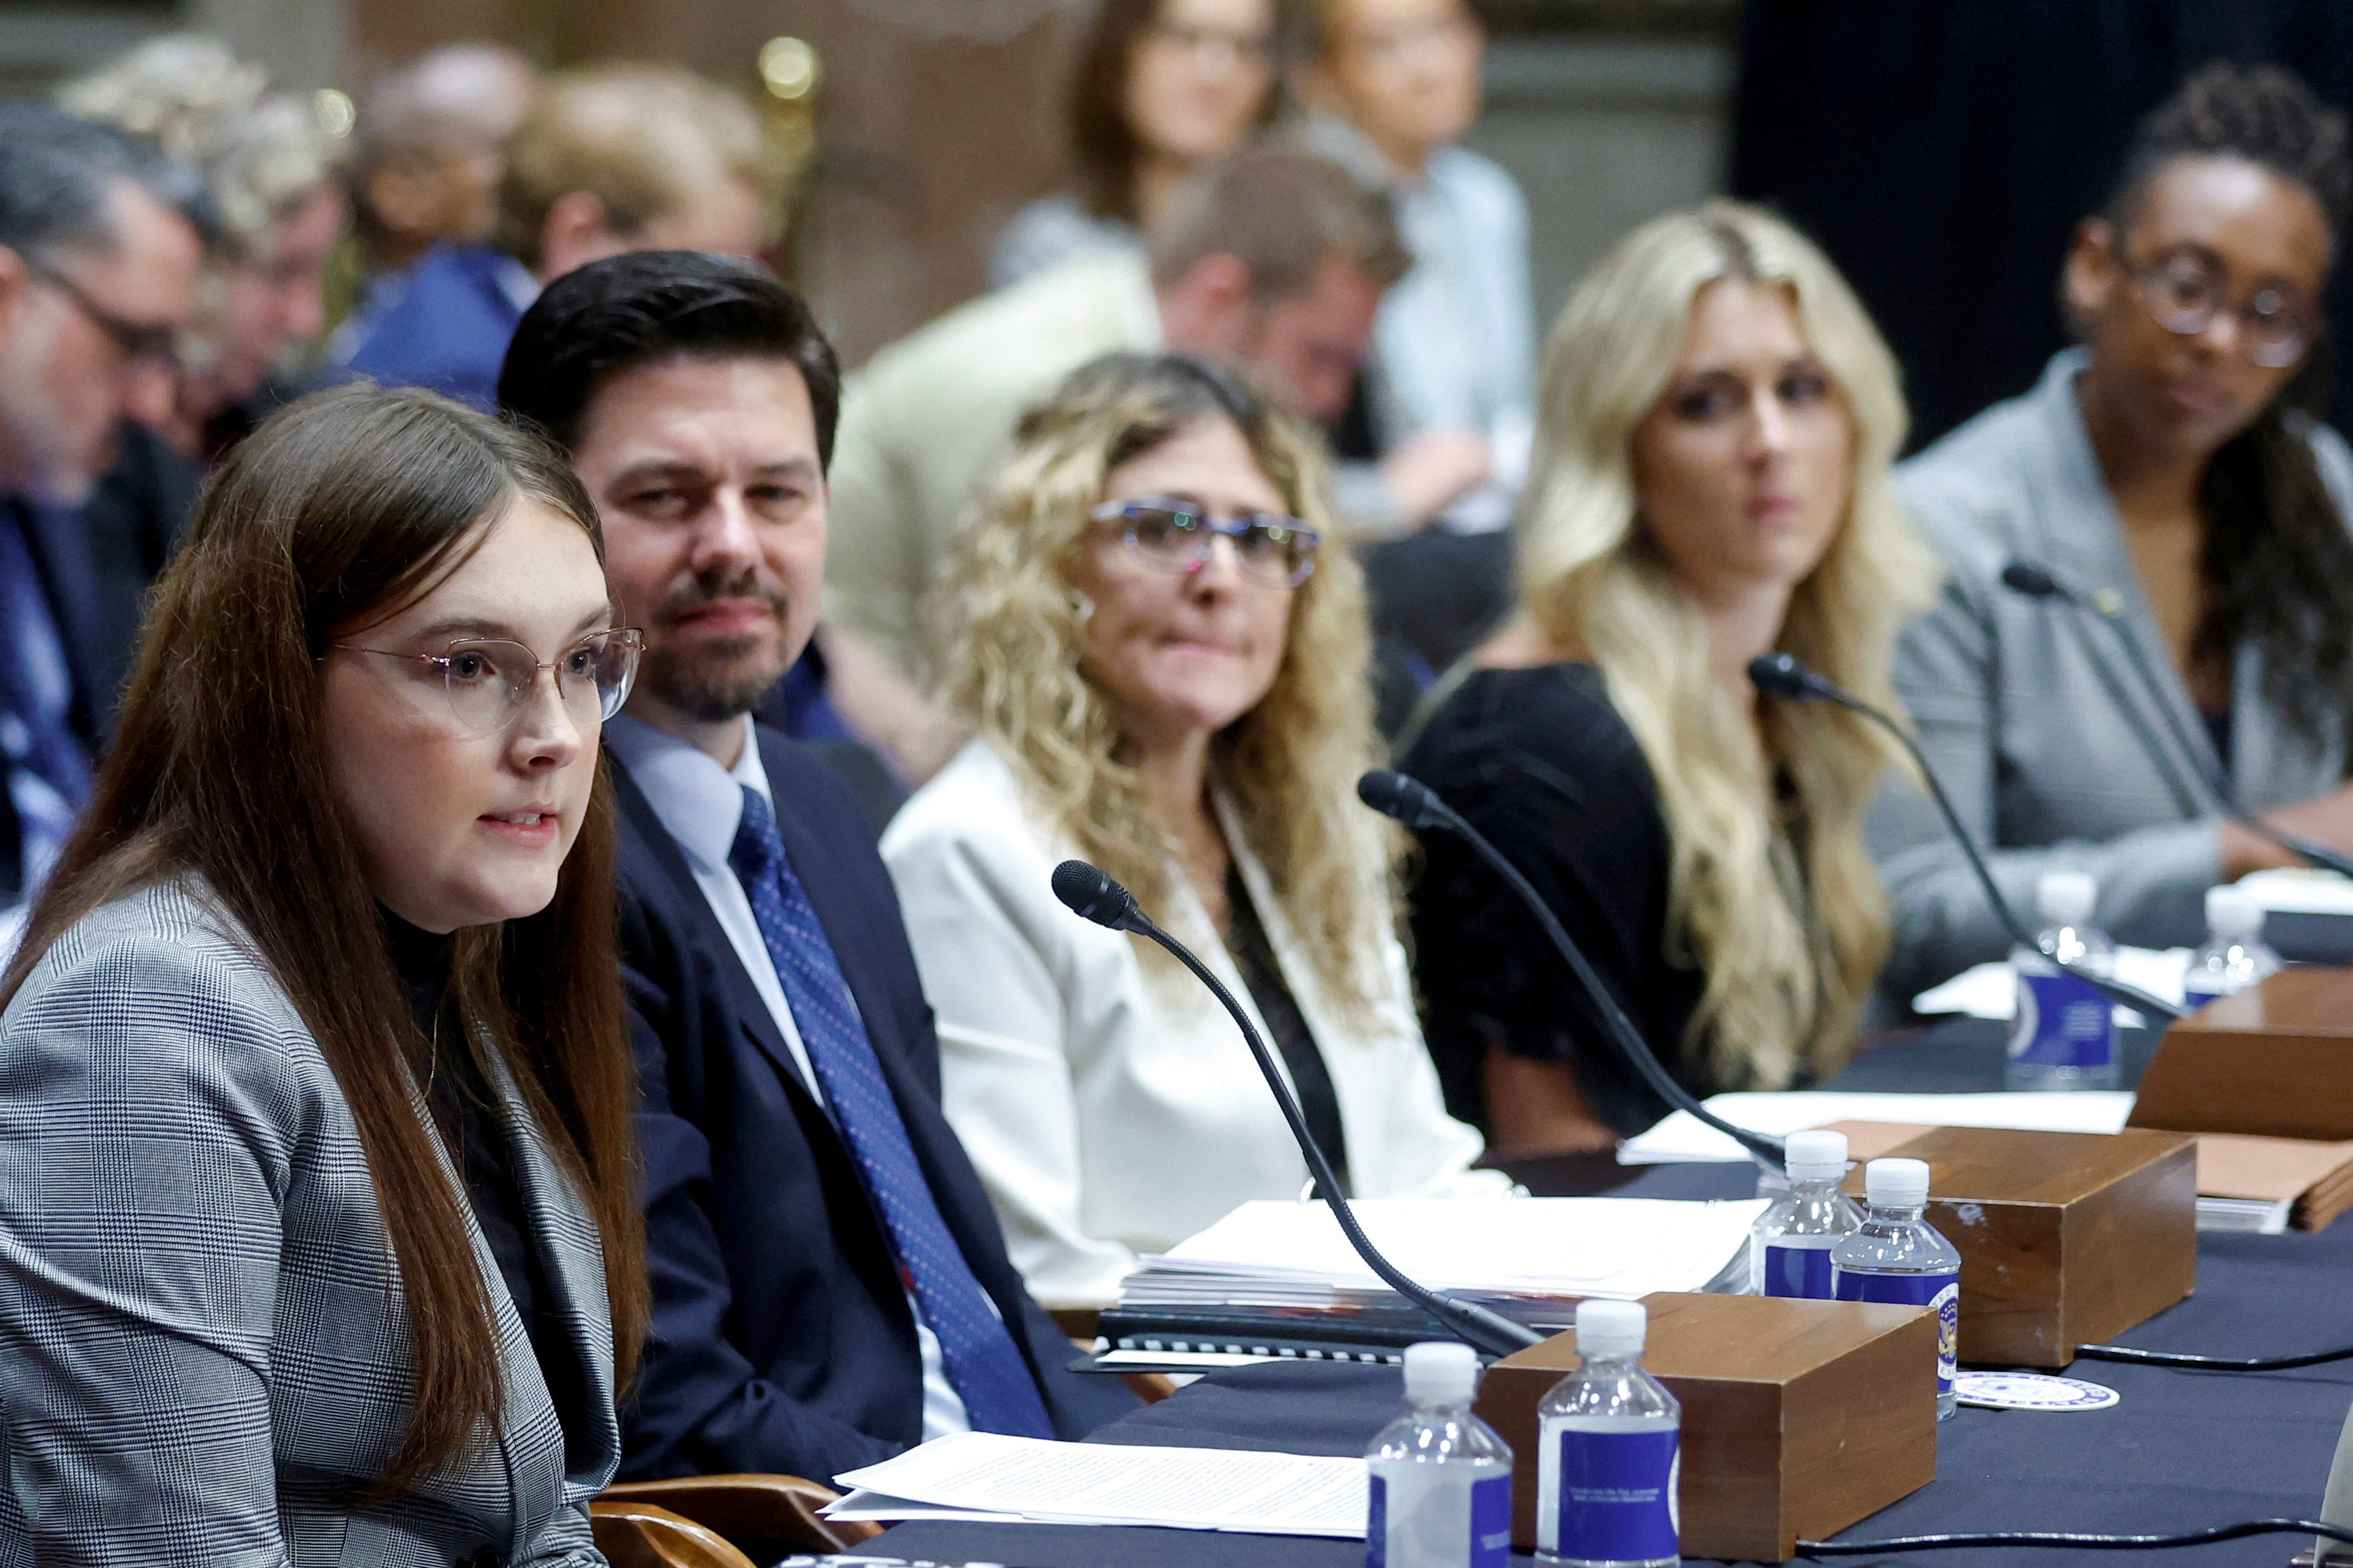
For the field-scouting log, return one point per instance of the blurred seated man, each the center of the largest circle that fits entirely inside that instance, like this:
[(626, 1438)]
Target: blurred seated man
[(1275, 261), (98, 276), (829, 1284), (611, 159), (269, 165), (431, 135)]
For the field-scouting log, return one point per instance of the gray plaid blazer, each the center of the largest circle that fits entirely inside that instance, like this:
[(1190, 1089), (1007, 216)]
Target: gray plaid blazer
[(203, 1351)]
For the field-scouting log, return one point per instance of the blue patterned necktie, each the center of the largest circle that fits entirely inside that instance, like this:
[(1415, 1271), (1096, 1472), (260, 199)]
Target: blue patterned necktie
[(983, 1362)]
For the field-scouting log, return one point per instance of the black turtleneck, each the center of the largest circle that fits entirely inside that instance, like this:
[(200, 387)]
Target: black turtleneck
[(468, 1117)]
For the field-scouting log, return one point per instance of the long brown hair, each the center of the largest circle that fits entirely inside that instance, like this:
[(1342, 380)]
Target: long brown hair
[(352, 504)]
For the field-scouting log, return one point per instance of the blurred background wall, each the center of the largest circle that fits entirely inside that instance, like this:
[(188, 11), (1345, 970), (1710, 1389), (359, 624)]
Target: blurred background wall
[(935, 120)]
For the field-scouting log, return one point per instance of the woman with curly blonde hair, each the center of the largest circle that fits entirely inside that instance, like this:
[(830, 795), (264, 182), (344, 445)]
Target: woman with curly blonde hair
[(1166, 667), (1716, 421)]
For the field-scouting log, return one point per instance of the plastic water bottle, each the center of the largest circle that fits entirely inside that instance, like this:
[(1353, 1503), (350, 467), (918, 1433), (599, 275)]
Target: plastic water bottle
[(2234, 956), (1441, 1479), (1609, 1463), (1898, 1256), (2063, 1035), (1791, 1242)]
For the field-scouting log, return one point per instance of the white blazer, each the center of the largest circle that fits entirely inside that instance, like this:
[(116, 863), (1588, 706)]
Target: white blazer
[(1111, 1106)]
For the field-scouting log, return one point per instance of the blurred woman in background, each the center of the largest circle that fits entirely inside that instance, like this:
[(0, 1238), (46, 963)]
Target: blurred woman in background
[(269, 161), (1166, 667), (1162, 88), (320, 1237), (1714, 425), (2171, 474)]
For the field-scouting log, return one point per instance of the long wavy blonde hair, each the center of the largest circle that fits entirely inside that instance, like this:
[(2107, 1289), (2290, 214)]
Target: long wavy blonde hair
[(1011, 628), (1789, 927)]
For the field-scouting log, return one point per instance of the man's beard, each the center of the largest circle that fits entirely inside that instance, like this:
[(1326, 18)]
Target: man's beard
[(713, 679)]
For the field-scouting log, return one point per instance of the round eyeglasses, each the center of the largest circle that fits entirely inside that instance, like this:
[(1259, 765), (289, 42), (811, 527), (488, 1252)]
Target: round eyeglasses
[(488, 679), (1177, 536), (2186, 292)]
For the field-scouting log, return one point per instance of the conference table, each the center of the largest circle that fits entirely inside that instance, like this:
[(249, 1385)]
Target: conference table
[(2179, 1451)]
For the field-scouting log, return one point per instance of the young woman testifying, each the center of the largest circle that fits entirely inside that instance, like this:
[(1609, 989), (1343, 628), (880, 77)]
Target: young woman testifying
[(319, 1235)]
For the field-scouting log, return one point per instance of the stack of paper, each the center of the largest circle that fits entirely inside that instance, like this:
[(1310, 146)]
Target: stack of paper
[(982, 1476), (1526, 1257), (1682, 1136), (1990, 990), (2266, 1183)]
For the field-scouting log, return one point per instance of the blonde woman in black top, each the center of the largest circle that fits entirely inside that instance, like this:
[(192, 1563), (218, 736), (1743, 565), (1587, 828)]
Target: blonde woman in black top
[(1716, 422)]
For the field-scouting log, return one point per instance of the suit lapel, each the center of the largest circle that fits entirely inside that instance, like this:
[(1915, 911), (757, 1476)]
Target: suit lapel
[(744, 999), (573, 1262), (61, 553)]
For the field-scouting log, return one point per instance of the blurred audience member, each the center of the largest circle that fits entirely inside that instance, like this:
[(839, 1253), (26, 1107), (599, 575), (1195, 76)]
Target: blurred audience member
[(432, 133), (2169, 471), (1163, 88), (1711, 483), (1168, 673), (269, 167), (1396, 84), (610, 159), (98, 279), (829, 1287), (327, 981), (1274, 259), (651, 384)]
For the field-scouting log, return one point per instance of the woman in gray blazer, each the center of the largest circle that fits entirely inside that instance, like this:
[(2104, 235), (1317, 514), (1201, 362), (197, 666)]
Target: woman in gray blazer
[(2162, 475), (319, 1239)]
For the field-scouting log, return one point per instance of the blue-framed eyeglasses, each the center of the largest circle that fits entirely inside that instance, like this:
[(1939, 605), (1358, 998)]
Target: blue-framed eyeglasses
[(1177, 536)]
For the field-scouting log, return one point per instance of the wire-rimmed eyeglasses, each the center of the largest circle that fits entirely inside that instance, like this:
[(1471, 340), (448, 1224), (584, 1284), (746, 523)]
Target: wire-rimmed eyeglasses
[(488, 679), (1177, 536), (2185, 291)]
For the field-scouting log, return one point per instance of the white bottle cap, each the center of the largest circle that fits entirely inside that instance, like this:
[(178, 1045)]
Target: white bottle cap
[(2066, 897), (1896, 1184), (1611, 1328), (1441, 1372), (2234, 911), (1816, 1156)]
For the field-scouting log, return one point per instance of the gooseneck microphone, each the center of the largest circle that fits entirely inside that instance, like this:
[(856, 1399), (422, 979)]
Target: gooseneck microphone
[(1417, 806), (2033, 581), (1784, 676), (1090, 893)]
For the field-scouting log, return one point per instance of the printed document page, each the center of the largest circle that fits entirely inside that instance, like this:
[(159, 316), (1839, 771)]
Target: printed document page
[(981, 1474), (1682, 1136)]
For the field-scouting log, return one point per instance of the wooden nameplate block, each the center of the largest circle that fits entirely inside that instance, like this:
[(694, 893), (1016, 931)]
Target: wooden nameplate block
[(2066, 1238), (1800, 1417), (2275, 1062)]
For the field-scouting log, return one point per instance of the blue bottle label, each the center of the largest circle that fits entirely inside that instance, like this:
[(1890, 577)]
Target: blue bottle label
[(1940, 1292), (1618, 1495), (2062, 1021), (1489, 1521), (1800, 1267)]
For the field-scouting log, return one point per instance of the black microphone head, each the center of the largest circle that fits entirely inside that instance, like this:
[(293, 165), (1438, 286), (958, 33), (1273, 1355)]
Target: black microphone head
[(1784, 676), (1408, 800), (1089, 892), (2034, 581)]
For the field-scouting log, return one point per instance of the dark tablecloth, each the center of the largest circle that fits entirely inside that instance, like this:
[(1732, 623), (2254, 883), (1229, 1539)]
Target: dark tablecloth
[(2181, 1450)]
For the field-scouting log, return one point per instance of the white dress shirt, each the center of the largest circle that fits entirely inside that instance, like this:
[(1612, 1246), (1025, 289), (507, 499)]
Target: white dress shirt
[(701, 804), (1111, 1107)]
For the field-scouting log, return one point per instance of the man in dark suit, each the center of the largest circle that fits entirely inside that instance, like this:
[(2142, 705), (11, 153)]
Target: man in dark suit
[(98, 273), (829, 1283)]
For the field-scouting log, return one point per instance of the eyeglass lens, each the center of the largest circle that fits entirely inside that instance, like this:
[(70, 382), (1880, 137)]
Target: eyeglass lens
[(2185, 294), (489, 680), (1174, 539)]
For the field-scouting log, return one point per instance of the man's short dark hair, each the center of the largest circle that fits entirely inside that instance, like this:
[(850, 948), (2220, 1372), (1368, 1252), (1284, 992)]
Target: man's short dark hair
[(651, 306), (56, 170)]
